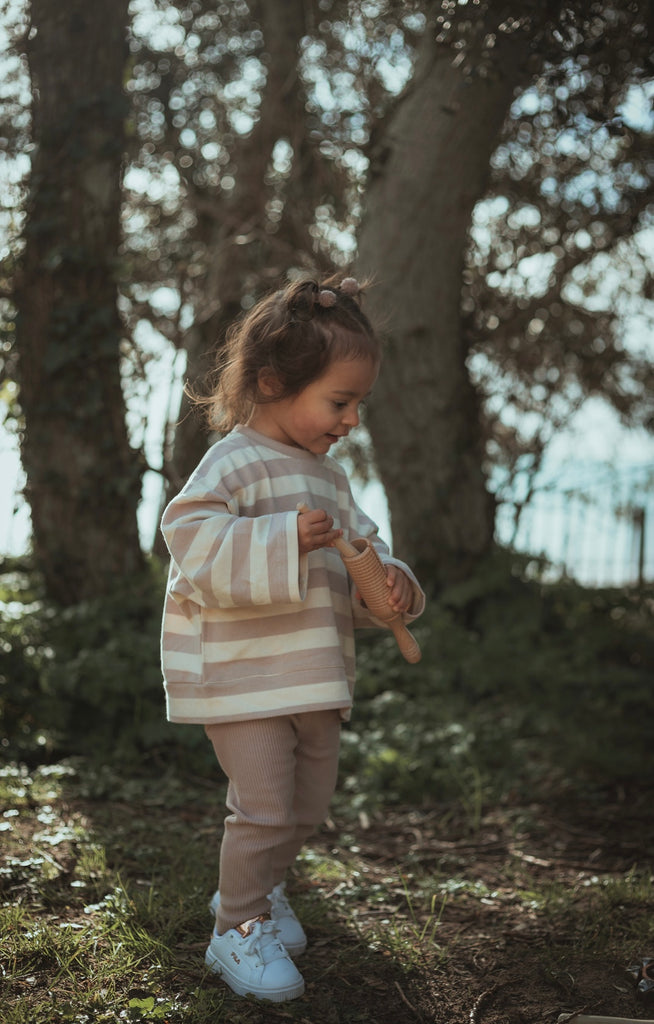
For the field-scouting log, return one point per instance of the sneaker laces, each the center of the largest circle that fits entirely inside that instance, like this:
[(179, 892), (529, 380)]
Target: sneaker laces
[(279, 902), (261, 941)]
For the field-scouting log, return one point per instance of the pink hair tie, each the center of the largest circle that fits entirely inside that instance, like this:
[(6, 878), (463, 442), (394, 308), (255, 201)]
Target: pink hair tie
[(326, 297), (350, 286)]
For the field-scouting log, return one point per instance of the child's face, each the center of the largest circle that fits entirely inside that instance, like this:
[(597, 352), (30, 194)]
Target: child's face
[(324, 412)]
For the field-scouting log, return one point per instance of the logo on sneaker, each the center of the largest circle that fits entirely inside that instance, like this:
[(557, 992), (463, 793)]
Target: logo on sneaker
[(234, 957)]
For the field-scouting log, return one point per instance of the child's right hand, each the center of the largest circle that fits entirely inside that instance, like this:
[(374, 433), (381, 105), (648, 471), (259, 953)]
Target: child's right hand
[(315, 530)]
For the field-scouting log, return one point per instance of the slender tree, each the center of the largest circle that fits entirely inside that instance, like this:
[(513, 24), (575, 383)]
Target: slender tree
[(83, 479)]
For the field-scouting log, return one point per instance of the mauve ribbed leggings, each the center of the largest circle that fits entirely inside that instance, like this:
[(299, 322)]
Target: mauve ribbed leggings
[(282, 774)]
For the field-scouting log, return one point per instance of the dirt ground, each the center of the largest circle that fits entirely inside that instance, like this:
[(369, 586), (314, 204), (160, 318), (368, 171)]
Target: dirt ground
[(511, 960), (529, 913)]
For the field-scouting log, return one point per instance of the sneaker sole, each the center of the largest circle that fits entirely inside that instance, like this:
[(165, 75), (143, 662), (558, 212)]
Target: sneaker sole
[(280, 996)]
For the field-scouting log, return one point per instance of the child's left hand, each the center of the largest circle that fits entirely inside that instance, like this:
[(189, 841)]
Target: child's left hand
[(400, 596)]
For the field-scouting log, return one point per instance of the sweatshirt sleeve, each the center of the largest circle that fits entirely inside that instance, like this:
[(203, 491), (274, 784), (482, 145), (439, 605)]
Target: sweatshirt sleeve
[(356, 523), (225, 560)]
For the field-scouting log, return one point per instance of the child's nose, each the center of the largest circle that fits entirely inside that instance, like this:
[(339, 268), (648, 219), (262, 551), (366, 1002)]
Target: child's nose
[(351, 417)]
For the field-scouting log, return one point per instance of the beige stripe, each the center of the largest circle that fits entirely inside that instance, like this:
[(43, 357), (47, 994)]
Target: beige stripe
[(323, 665), (183, 670), (285, 623), (182, 673), (261, 500), (177, 622)]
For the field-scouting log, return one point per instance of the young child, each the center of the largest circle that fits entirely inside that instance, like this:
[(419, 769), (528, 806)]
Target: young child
[(258, 641)]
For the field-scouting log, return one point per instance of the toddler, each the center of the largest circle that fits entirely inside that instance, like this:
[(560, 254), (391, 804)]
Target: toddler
[(258, 632)]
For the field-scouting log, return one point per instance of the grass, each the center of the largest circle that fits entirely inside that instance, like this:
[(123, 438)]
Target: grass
[(483, 863), (105, 882)]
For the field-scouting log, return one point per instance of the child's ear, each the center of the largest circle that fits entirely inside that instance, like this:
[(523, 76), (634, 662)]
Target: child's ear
[(269, 383)]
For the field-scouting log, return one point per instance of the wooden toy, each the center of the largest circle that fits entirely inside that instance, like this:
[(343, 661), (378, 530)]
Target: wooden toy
[(368, 572)]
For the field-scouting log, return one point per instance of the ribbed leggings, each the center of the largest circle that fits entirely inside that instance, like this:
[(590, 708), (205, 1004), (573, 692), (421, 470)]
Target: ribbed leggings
[(282, 774)]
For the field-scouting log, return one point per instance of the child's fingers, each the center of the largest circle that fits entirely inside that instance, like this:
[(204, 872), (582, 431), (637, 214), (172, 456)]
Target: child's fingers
[(401, 594), (322, 529), (394, 582), (316, 530)]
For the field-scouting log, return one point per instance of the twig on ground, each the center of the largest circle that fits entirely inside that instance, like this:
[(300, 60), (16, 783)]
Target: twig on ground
[(584, 1018), (406, 1001), (477, 1004)]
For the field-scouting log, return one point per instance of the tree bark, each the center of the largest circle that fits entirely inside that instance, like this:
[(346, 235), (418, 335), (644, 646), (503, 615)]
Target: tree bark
[(83, 479), (245, 255), (427, 171)]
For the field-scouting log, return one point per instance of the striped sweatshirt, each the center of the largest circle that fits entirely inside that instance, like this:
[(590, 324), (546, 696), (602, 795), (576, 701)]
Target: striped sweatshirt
[(251, 628)]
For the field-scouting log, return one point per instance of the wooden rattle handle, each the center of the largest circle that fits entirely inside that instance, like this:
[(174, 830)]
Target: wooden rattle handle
[(369, 573)]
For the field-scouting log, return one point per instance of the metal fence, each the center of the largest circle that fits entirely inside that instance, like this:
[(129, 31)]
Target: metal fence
[(595, 525)]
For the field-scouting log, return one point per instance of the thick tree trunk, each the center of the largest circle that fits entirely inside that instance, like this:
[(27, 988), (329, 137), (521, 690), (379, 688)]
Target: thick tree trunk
[(83, 479), (427, 172)]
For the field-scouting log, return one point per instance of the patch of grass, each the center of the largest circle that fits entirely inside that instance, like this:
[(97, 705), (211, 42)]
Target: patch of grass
[(104, 908), (613, 914), (409, 935)]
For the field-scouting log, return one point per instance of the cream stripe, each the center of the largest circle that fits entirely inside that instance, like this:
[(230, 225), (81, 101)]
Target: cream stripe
[(181, 661), (270, 646), (330, 694), (231, 570), (297, 566), (260, 579), (320, 664)]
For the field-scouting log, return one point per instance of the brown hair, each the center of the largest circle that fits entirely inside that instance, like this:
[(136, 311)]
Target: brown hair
[(294, 334)]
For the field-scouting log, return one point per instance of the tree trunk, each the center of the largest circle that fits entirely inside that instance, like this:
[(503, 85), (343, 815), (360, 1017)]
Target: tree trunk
[(240, 266), (427, 172), (83, 479)]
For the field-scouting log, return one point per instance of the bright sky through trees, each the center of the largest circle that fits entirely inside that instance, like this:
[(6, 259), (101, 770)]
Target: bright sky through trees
[(594, 435)]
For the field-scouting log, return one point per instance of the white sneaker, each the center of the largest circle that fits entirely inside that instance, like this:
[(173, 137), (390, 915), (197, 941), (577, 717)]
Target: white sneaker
[(252, 961), (291, 932)]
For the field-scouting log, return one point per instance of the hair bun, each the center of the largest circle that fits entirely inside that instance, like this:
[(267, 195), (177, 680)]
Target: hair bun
[(350, 286), (326, 297)]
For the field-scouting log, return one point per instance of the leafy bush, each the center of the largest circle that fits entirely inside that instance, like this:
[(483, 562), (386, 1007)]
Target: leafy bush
[(522, 684), (86, 679)]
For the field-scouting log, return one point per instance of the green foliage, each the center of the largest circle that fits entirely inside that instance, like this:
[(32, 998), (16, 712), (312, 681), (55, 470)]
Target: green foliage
[(521, 684), (84, 679)]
